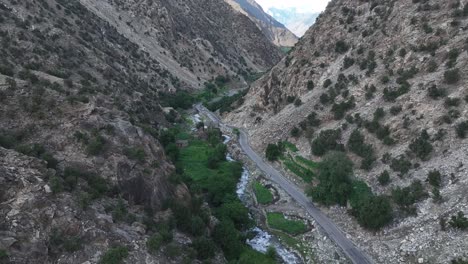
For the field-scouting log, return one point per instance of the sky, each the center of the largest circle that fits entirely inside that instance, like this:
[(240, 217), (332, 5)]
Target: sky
[(302, 6)]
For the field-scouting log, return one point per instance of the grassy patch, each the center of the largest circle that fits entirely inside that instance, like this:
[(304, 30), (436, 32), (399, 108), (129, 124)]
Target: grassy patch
[(194, 158), (301, 170), (263, 195), (306, 162), (290, 146), (279, 222)]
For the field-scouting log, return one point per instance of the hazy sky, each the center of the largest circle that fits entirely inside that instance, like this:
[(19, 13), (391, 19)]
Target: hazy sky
[(301, 5)]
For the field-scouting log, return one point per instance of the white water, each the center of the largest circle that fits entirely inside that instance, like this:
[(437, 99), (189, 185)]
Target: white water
[(262, 240)]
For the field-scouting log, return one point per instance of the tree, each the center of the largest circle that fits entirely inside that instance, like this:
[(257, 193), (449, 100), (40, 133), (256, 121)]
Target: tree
[(228, 238), (452, 76), (384, 178), (295, 132), (434, 178), (326, 141), (459, 221), (310, 85), (421, 146), (374, 212), (273, 152), (334, 174), (205, 247)]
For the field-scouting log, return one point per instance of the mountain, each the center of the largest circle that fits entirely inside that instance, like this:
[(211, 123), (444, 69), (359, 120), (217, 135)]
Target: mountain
[(191, 39), (89, 92), (297, 22), (385, 82), (276, 32)]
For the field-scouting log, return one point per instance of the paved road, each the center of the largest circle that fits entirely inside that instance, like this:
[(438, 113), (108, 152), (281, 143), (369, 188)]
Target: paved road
[(354, 254)]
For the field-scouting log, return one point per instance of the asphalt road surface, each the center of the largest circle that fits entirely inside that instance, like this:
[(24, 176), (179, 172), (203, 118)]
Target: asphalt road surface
[(352, 252)]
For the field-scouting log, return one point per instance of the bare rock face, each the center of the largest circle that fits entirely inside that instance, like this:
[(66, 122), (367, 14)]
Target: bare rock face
[(276, 32), (194, 40), (408, 58), (41, 227)]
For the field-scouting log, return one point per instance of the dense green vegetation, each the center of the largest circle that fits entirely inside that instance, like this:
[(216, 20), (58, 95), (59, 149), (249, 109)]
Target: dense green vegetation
[(279, 222), (262, 193), (202, 166), (337, 186), (115, 255)]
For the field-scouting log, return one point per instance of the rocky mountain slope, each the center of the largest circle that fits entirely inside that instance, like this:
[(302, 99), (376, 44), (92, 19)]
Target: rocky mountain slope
[(193, 40), (84, 158), (276, 32), (385, 82)]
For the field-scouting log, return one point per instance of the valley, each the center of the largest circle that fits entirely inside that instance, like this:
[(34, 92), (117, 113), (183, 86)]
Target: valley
[(205, 131)]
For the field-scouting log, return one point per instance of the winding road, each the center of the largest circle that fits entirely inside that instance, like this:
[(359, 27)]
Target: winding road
[(352, 252)]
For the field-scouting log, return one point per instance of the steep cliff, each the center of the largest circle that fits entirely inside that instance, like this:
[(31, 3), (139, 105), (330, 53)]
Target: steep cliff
[(390, 75), (276, 32)]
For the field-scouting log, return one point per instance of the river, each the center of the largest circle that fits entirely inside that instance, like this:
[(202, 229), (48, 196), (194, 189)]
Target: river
[(262, 239)]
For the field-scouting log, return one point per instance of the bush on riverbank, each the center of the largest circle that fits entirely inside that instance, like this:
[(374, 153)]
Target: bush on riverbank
[(263, 195)]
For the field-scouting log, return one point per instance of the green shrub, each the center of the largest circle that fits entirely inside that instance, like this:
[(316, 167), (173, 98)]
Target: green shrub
[(400, 164), (135, 153), (395, 110), (421, 146), (348, 62), (310, 85), (459, 221), (436, 93), (205, 247), (327, 83), (462, 129), (115, 255), (295, 132), (407, 196), (154, 243), (263, 195), (434, 178), (96, 145), (312, 120), (452, 76), (339, 109), (327, 140), (62, 242), (384, 178), (459, 260), (341, 46), (56, 184), (274, 151), (452, 102), (297, 102)]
